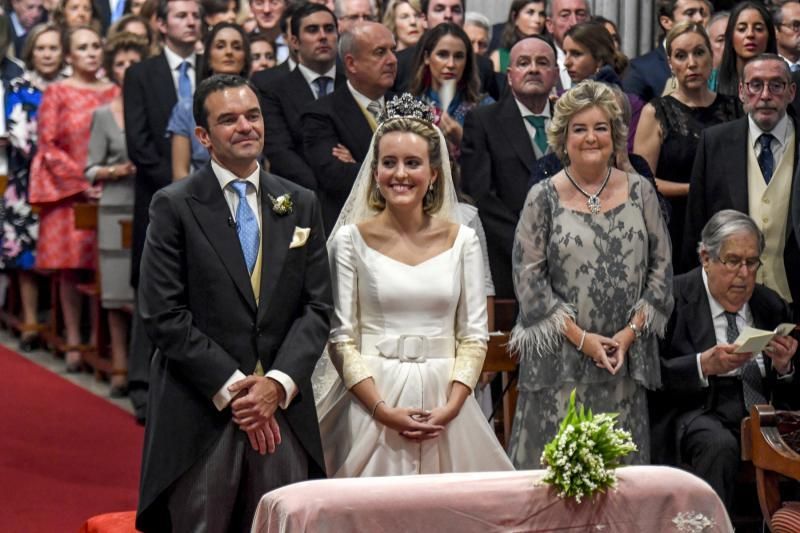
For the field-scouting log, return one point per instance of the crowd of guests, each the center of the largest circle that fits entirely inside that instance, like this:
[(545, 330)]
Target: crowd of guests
[(641, 212)]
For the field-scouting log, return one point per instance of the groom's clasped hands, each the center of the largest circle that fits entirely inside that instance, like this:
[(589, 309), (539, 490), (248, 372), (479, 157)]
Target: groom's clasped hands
[(253, 409)]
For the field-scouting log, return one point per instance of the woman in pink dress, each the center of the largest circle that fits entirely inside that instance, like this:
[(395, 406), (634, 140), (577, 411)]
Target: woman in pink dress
[(58, 180)]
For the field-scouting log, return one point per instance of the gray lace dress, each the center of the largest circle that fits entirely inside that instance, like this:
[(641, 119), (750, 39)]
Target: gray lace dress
[(599, 270)]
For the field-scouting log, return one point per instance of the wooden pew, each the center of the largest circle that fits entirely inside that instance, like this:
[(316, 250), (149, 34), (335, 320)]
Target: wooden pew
[(773, 459)]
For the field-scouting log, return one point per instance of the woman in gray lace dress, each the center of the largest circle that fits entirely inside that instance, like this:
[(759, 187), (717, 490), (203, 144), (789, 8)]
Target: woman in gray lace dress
[(593, 276)]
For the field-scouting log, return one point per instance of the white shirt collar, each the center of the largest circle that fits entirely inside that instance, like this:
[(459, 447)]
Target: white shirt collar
[(361, 100), (174, 60), (717, 309), (18, 29), (780, 131), (310, 75), (225, 176), (524, 111)]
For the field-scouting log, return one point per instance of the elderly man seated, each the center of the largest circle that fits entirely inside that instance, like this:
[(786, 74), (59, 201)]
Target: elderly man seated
[(707, 387)]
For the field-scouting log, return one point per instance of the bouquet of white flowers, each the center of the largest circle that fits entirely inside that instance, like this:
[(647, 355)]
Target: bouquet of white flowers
[(581, 459)]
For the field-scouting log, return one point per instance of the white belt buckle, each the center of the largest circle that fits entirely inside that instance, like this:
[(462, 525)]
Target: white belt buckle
[(412, 348)]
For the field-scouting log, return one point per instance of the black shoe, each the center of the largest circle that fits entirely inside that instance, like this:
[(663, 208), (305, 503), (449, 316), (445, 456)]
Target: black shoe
[(118, 391), (29, 343)]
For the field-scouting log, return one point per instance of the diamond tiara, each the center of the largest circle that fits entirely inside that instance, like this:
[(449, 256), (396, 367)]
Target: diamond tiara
[(406, 106)]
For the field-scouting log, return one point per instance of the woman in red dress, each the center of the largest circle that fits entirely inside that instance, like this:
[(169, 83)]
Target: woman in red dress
[(57, 179)]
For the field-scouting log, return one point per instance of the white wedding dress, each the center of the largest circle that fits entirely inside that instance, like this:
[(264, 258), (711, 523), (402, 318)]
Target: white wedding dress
[(436, 305)]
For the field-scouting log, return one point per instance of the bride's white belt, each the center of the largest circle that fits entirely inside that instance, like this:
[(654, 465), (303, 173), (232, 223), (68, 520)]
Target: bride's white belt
[(408, 348)]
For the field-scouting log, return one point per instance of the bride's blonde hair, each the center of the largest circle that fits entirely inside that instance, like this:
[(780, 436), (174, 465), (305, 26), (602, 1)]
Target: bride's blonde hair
[(435, 198)]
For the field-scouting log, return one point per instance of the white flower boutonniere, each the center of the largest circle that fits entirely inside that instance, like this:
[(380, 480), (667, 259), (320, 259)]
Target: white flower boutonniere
[(282, 205)]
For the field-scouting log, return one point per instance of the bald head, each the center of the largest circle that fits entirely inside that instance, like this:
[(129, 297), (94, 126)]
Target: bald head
[(369, 61), (532, 71)]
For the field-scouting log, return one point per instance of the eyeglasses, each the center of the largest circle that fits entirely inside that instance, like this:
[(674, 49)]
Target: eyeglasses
[(355, 18), (793, 25), (775, 87), (733, 264)]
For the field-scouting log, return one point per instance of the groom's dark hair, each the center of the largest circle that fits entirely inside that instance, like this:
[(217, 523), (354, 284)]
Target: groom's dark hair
[(218, 82)]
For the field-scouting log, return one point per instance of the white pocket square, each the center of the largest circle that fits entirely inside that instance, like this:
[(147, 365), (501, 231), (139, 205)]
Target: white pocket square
[(300, 237)]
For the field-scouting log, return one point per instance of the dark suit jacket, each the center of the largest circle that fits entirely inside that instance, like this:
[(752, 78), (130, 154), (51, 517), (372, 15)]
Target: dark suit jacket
[(405, 73), (496, 161), (198, 307), (284, 99), (719, 181), (691, 331), (648, 74), (335, 119), (149, 98)]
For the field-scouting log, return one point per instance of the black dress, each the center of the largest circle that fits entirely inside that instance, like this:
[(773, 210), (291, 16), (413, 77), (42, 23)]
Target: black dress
[(681, 126)]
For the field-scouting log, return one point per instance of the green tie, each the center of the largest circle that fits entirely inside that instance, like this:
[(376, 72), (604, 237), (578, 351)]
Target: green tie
[(541, 136)]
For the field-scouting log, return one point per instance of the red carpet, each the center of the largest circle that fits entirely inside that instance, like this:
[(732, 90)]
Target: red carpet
[(65, 454)]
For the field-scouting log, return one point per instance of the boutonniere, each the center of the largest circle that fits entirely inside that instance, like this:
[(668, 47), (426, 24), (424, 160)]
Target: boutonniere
[(282, 205)]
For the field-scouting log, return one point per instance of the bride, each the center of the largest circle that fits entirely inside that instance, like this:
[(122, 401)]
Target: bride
[(409, 330)]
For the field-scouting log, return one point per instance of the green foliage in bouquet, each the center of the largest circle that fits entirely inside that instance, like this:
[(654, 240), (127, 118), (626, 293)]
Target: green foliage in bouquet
[(581, 459)]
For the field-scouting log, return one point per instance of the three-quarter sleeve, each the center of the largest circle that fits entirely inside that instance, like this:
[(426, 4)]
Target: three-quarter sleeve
[(542, 313), (656, 300), (342, 346), (98, 146), (54, 175), (471, 318)]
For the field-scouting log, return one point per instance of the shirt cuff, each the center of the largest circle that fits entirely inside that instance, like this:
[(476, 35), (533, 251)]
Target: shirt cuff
[(288, 385), (703, 379), (223, 396), (787, 376)]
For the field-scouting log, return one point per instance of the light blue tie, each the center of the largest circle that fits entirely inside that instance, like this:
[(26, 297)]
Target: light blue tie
[(246, 226), (184, 83), (119, 10)]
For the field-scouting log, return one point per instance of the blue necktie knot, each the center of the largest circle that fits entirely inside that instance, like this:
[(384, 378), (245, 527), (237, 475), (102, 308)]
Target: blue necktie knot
[(246, 226)]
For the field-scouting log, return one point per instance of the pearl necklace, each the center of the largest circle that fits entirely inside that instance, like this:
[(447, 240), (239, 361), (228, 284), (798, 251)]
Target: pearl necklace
[(592, 200)]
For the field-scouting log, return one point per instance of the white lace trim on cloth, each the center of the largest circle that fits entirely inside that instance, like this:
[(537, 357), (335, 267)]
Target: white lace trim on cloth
[(693, 522), (543, 337), (655, 321)]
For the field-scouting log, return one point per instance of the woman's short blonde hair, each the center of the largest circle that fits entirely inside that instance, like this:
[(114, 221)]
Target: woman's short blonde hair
[(435, 198), (585, 95)]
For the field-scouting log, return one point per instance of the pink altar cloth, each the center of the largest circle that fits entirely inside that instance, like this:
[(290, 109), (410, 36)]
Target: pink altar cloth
[(648, 499)]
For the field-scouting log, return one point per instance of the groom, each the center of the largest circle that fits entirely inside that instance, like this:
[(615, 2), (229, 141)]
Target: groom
[(235, 295)]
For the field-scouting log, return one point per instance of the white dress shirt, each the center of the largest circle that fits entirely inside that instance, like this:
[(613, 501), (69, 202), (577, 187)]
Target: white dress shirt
[(743, 319), (525, 112), (223, 396), (566, 81), (780, 134), (310, 76), (174, 61), (364, 101)]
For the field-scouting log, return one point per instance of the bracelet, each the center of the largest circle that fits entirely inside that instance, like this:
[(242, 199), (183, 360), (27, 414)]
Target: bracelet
[(111, 171), (583, 338), (375, 407), (637, 332)]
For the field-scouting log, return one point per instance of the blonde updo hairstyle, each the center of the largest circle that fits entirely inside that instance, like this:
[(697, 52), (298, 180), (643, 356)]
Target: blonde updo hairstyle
[(435, 198), (585, 95)]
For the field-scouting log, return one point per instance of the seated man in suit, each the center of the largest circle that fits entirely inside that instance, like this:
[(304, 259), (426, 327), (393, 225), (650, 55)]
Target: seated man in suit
[(648, 74), (24, 15), (337, 128), (750, 165), (707, 387), (501, 143), (314, 36)]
